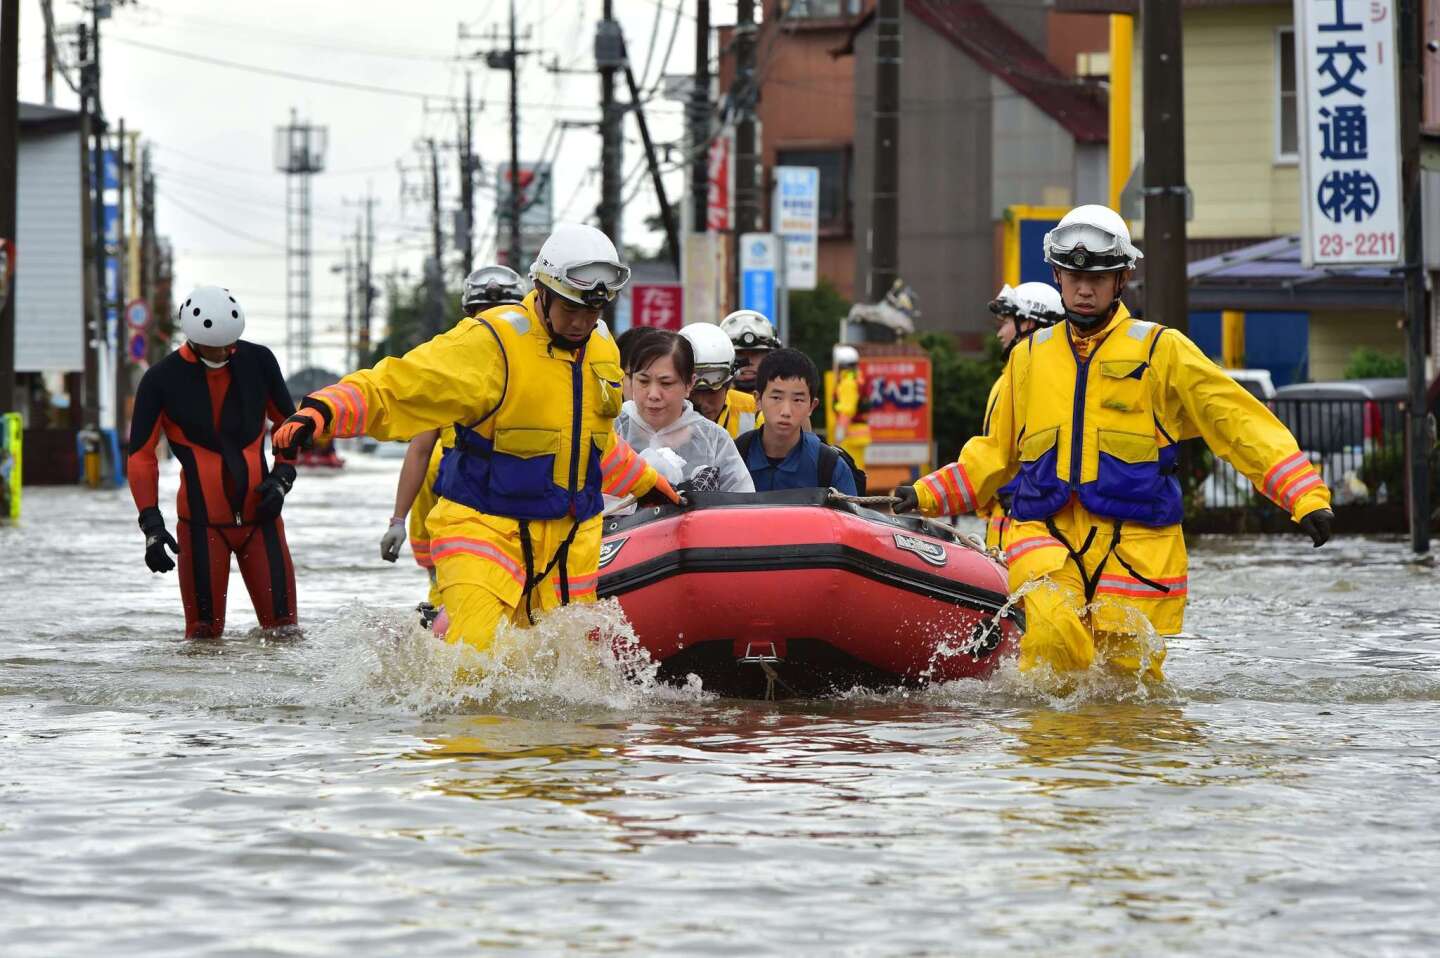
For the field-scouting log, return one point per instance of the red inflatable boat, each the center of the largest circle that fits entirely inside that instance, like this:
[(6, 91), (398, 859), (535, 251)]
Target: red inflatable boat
[(790, 593)]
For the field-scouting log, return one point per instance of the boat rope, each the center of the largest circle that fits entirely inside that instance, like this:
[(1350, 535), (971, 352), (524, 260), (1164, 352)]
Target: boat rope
[(837, 496)]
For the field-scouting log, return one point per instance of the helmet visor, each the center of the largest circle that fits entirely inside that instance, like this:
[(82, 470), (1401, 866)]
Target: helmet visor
[(710, 378), (1081, 246), (749, 339), (586, 277)]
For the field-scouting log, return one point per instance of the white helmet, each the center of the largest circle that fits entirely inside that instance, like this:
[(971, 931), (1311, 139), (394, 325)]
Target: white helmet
[(749, 329), (1038, 302), (714, 355), (1091, 239), (843, 355), (579, 263), (210, 316), (492, 286)]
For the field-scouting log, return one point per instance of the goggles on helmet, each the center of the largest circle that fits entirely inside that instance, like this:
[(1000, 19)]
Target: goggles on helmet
[(1081, 246), (711, 378), (592, 284), (750, 339)]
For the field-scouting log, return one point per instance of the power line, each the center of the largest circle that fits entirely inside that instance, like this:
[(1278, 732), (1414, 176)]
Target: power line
[(240, 234), (284, 74)]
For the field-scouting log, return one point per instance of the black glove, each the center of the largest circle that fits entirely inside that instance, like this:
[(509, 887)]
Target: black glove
[(272, 497), (705, 479), (909, 500), (1316, 525), (156, 541)]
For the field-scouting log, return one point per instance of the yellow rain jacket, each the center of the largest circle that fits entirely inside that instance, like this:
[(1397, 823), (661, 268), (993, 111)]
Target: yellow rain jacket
[(1087, 429), (741, 413), (852, 432), (517, 526), (993, 512)]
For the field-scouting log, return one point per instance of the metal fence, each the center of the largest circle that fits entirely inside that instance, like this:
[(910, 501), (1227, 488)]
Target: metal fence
[(1358, 446)]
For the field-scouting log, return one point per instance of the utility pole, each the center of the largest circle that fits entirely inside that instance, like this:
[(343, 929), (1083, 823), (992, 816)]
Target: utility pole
[(609, 57), (885, 181), (1166, 289), (515, 179), (47, 12), (699, 120), (367, 290), (1416, 411), (9, 176), (436, 274), (744, 95), (121, 359), (467, 180), (508, 58), (95, 329)]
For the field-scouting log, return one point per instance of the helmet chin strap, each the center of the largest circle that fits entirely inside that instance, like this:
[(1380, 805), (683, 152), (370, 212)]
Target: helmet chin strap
[(213, 365), (556, 340)]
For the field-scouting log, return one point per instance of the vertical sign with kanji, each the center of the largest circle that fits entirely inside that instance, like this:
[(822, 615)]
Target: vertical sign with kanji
[(660, 305), (1348, 79)]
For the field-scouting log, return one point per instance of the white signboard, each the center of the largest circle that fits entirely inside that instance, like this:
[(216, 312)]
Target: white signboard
[(796, 219), (1348, 66)]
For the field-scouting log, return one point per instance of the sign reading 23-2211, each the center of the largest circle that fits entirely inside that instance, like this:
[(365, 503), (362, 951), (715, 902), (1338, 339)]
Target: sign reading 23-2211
[(1349, 136)]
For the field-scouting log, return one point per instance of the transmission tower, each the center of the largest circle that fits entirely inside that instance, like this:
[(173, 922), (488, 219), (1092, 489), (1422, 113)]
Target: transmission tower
[(299, 154)]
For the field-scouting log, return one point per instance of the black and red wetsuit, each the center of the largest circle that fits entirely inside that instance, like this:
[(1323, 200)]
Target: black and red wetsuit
[(215, 422)]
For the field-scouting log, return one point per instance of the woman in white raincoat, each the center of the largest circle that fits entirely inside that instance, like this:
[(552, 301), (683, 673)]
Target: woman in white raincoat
[(662, 426)]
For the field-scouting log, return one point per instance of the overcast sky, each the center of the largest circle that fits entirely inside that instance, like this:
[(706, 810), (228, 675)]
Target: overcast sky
[(211, 126)]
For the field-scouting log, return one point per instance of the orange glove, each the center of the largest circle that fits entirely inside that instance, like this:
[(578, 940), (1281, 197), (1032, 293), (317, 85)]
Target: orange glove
[(662, 490), (297, 432)]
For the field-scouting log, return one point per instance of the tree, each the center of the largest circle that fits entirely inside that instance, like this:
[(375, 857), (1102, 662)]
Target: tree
[(405, 317), (960, 387), (1367, 363)]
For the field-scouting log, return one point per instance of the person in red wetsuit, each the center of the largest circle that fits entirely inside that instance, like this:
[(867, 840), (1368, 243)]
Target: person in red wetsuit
[(211, 399)]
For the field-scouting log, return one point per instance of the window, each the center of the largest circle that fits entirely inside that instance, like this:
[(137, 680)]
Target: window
[(819, 9), (1287, 131), (834, 166)]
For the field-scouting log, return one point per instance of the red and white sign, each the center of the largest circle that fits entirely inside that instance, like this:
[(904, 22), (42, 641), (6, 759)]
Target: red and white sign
[(899, 389), (660, 305), (717, 209)]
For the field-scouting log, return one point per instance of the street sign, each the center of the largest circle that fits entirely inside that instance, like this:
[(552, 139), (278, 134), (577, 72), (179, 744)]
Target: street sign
[(759, 263), (1347, 71), (796, 218), (137, 347), (659, 305), (137, 314)]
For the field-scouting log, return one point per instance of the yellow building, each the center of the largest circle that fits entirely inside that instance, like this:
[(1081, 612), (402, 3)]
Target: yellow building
[(1242, 166)]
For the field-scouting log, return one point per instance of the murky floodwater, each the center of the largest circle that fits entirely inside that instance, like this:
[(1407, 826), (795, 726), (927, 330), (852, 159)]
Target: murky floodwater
[(343, 795)]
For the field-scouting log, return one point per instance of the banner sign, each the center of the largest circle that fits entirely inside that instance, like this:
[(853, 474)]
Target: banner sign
[(660, 305), (1347, 63), (717, 206), (899, 391)]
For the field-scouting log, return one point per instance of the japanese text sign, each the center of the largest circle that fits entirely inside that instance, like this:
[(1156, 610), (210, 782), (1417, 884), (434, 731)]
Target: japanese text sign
[(657, 304), (796, 218), (1347, 63), (899, 393)]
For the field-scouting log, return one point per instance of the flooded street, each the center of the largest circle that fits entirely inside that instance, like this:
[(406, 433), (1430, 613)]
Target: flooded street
[(344, 794)]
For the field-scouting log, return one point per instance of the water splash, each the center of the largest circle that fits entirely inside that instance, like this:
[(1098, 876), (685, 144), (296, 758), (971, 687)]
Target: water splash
[(578, 657)]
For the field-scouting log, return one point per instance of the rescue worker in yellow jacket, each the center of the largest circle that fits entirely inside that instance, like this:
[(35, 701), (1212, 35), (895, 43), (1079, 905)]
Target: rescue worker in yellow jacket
[(415, 495), (1019, 311), (533, 391), (712, 396), (1086, 422), (852, 432)]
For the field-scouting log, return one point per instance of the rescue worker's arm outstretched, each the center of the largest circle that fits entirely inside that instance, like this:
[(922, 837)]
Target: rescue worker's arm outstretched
[(985, 464), (624, 473), (1240, 429), (458, 376)]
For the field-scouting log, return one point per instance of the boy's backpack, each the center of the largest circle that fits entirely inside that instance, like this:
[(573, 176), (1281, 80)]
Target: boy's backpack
[(829, 456)]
